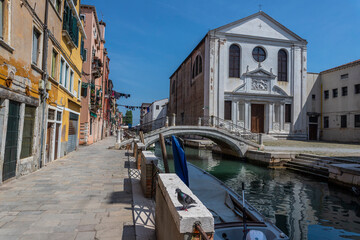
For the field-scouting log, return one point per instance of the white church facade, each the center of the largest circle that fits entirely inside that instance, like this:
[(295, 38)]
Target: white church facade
[(251, 72)]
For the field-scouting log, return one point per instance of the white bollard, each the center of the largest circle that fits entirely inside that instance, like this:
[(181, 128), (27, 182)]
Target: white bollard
[(173, 120), (118, 137)]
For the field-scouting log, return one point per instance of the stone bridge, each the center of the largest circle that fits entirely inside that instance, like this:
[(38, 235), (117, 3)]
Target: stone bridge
[(236, 141)]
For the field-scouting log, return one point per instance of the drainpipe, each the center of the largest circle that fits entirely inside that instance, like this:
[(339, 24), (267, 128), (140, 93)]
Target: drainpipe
[(218, 79), (44, 95)]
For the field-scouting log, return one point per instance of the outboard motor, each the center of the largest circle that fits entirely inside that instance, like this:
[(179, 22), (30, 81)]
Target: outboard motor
[(255, 235)]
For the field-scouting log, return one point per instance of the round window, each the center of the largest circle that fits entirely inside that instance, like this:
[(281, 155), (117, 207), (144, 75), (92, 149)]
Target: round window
[(259, 54)]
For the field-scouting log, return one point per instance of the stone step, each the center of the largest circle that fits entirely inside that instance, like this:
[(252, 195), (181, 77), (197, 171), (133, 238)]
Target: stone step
[(312, 160), (309, 165), (327, 159), (307, 172)]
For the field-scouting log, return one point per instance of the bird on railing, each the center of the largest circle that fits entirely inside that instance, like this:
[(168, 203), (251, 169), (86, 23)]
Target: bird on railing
[(184, 199)]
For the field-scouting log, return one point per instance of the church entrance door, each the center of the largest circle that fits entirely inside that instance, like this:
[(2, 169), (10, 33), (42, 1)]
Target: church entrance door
[(257, 118)]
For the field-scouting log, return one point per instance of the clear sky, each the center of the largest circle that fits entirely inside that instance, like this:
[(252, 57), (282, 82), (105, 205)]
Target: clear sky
[(148, 39)]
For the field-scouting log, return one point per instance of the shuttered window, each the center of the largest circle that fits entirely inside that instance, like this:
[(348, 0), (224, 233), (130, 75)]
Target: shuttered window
[(35, 50), (70, 24), (62, 63), (1, 18), (28, 132), (234, 61), (53, 64)]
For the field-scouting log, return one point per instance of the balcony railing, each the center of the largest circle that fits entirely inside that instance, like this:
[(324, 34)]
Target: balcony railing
[(97, 67)]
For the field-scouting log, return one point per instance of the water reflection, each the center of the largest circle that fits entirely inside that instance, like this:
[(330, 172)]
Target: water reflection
[(302, 207)]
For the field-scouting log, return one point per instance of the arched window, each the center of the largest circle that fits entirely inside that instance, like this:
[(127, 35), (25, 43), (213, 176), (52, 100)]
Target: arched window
[(282, 66), (234, 61), (197, 67)]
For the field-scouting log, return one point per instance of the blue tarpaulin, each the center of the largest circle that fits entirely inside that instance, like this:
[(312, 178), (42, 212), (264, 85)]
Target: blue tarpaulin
[(180, 161)]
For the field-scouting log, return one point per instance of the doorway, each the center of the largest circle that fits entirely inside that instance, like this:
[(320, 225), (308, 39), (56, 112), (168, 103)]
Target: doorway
[(227, 114), (313, 131), (11, 143), (57, 132), (257, 118), (48, 142)]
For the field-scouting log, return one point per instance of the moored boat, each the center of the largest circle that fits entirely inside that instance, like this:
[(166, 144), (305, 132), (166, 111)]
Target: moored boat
[(227, 209)]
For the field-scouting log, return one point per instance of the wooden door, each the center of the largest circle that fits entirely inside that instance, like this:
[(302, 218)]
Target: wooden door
[(56, 140), (11, 142), (227, 110), (313, 131), (257, 118), (48, 141)]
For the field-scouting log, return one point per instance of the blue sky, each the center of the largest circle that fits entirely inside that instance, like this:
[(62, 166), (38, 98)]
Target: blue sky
[(148, 39)]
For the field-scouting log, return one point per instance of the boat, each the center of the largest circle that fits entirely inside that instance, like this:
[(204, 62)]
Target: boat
[(227, 208)]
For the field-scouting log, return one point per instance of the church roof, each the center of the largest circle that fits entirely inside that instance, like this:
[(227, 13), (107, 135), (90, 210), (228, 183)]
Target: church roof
[(346, 65), (261, 13)]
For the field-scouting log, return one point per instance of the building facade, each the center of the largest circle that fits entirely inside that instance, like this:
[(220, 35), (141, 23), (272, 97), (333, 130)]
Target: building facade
[(334, 104), (251, 72), (64, 113), (143, 110), (96, 73), (38, 82), (157, 112)]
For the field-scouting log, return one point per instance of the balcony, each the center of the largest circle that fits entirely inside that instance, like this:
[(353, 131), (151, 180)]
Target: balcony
[(97, 67)]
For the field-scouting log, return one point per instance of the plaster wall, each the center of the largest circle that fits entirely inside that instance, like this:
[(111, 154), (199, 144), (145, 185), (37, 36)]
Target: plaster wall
[(335, 107)]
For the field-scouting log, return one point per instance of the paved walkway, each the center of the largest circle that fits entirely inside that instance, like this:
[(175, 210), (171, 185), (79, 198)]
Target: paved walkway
[(315, 147), (85, 195)]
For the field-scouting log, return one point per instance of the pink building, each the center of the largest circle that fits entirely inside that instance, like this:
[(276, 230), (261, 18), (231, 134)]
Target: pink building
[(95, 77)]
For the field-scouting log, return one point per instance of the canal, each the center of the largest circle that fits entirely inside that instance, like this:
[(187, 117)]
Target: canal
[(302, 207)]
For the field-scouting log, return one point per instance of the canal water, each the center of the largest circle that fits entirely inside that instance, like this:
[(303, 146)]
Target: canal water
[(302, 207)]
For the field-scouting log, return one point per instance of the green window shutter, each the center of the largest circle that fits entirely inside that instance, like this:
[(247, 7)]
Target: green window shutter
[(75, 32), (28, 132)]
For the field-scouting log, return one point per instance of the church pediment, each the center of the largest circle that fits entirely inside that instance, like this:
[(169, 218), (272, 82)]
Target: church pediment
[(260, 25), (241, 88), (259, 72), (279, 91)]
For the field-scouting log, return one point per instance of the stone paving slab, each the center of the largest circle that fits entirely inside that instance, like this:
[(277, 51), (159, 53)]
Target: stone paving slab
[(85, 195), (143, 208)]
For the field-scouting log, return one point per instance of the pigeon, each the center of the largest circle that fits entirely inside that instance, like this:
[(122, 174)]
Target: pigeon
[(184, 199)]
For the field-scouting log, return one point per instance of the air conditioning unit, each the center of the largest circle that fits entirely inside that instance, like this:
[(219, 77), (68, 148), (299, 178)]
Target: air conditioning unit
[(41, 84), (48, 86)]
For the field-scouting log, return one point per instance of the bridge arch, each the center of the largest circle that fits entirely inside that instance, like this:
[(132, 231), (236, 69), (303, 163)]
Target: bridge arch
[(221, 137)]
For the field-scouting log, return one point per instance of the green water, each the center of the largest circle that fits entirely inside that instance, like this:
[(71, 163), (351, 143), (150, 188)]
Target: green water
[(302, 207)]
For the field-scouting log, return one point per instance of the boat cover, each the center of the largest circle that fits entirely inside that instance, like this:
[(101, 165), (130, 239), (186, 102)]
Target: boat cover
[(213, 195), (180, 161)]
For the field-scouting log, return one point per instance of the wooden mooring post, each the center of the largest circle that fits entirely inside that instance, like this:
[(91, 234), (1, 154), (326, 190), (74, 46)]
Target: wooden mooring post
[(164, 155), (141, 135)]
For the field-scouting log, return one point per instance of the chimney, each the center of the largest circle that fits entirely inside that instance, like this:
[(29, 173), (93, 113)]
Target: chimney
[(102, 26)]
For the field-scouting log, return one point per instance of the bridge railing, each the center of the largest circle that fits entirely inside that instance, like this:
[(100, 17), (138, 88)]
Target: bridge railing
[(212, 121), (153, 125), (234, 128)]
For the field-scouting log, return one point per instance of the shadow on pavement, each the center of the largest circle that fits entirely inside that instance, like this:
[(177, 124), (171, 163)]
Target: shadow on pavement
[(121, 196)]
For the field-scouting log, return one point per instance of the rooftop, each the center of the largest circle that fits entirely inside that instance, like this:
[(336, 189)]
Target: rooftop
[(350, 64)]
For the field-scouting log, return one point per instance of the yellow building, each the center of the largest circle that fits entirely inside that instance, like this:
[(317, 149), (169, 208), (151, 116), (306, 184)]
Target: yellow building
[(63, 126), (39, 82)]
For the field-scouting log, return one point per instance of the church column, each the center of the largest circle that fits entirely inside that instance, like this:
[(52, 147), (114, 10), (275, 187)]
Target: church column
[(247, 119), (282, 116), (271, 116), (234, 111)]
